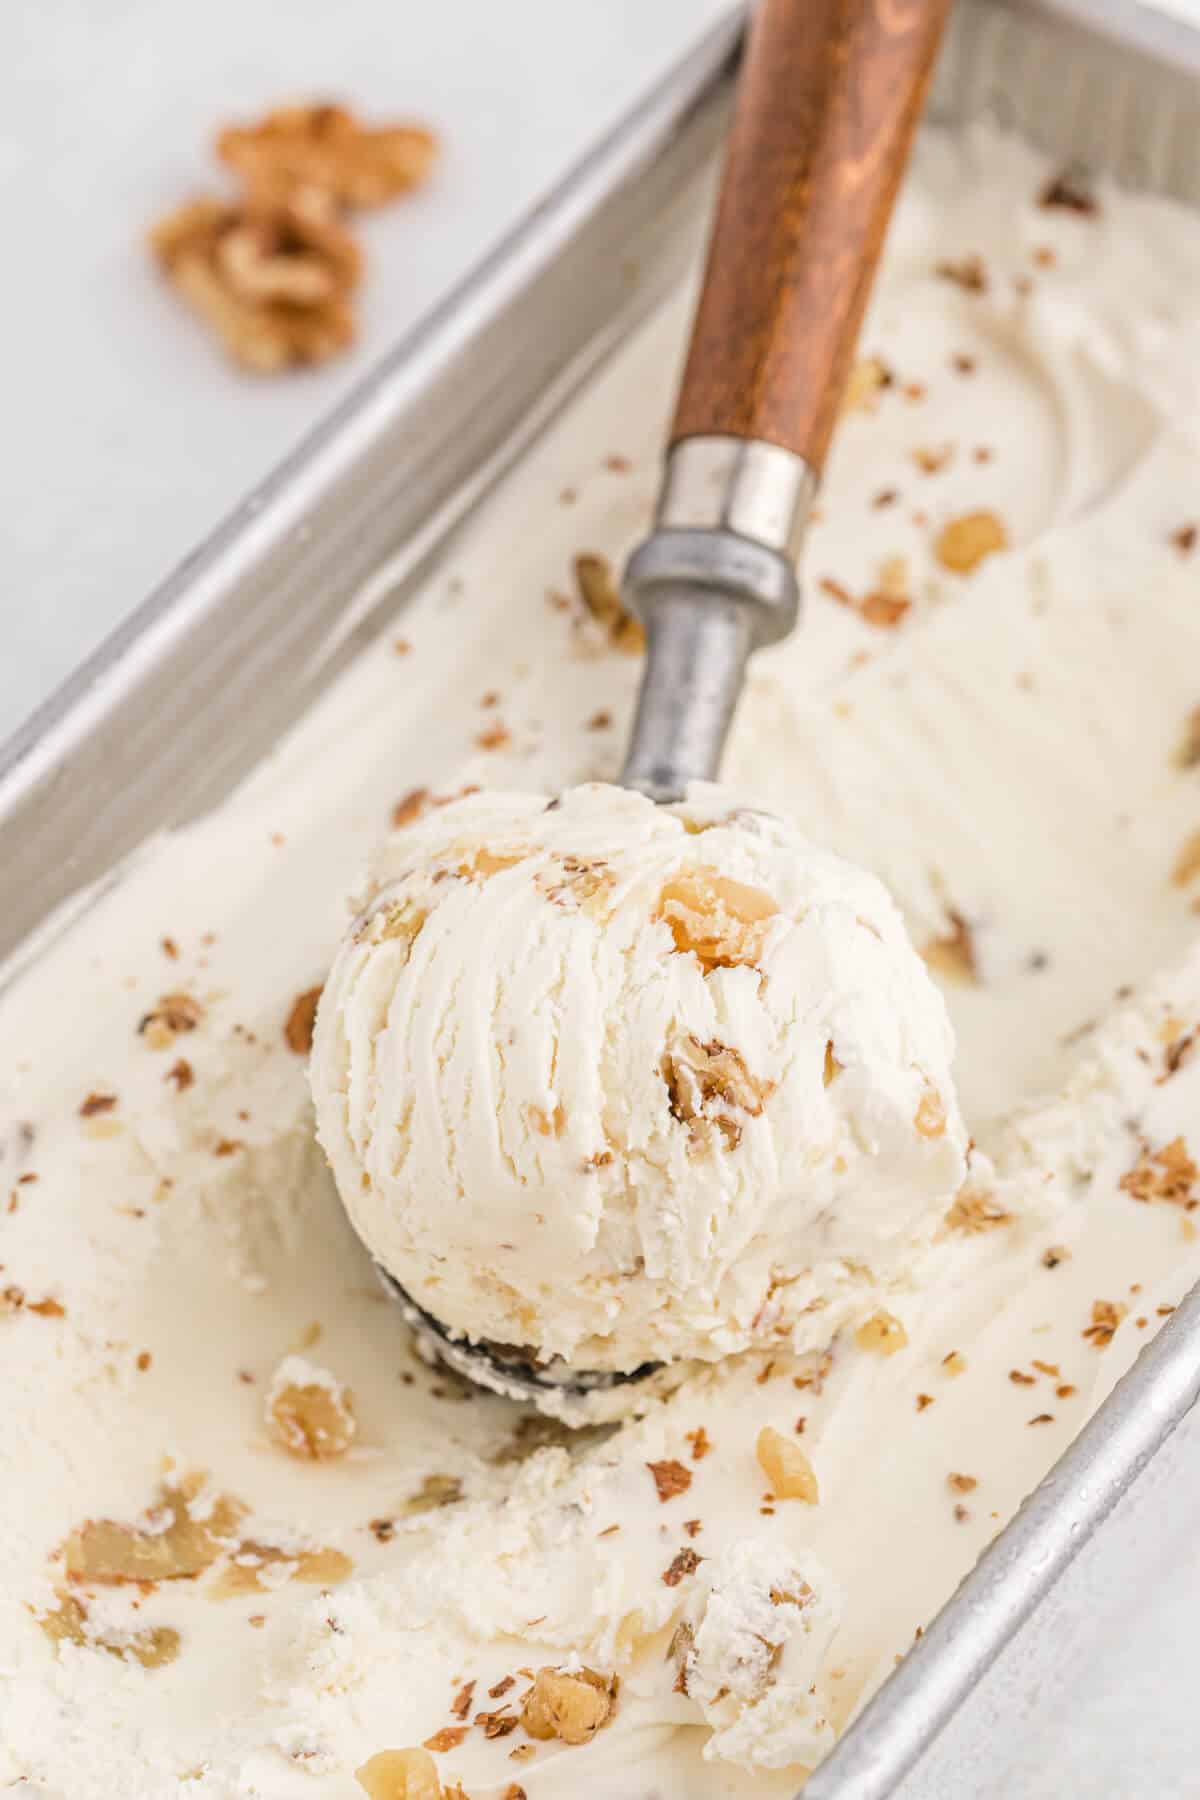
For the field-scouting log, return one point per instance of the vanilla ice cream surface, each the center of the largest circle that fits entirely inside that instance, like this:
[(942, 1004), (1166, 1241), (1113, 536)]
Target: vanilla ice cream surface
[(251, 1544)]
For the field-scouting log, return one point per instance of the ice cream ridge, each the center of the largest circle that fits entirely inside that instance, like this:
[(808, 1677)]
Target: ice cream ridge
[(621, 1083)]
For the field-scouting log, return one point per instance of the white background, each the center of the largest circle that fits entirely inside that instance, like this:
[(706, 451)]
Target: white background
[(125, 438)]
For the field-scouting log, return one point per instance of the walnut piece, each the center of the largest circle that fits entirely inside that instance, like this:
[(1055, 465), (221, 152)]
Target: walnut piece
[(170, 1018), (709, 1087), (399, 1775), (952, 955), (963, 543), (434, 1491), (255, 1568), (786, 1467), (571, 1708), (721, 922), (868, 379), (884, 1332), (1106, 1316), (311, 1418), (1165, 1175), (974, 1211), (298, 1026), (170, 1546), (930, 1116), (671, 1477), (153, 1647), (324, 147), (272, 279), (600, 594)]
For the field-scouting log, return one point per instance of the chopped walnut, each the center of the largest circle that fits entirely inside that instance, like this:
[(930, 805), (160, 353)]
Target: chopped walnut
[(295, 149), (1165, 1175), (152, 1647), (571, 1708), (868, 379), (963, 543), (679, 1653), (708, 1087), (298, 1027), (930, 1116), (273, 279), (309, 1413), (170, 1546), (414, 804), (974, 1211), (600, 594), (968, 273), (497, 1724), (881, 607), (954, 1362), (1069, 191), (953, 955), (721, 922), (932, 459), (1184, 538), (1106, 1316), (963, 1484), (174, 1015), (786, 1467), (399, 922), (670, 1477), (448, 1738), (700, 1443), (400, 1775), (685, 1562), (253, 1567), (435, 1491), (1187, 864), (93, 1105), (884, 1332)]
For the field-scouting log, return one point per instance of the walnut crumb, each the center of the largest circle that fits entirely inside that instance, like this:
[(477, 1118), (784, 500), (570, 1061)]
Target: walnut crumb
[(930, 1116), (952, 955), (700, 1443), (301, 1019), (954, 1362), (670, 1478), (868, 378), (1165, 1175), (460, 1706), (572, 1708), (601, 596), (1069, 192), (400, 1775), (1184, 539), (923, 1401), (1057, 1253), (967, 272), (882, 1332), (174, 1015), (974, 1211), (1106, 1317), (786, 1467), (296, 149), (95, 1104), (448, 1738), (963, 543), (684, 1562), (497, 1724), (963, 1484), (312, 1420)]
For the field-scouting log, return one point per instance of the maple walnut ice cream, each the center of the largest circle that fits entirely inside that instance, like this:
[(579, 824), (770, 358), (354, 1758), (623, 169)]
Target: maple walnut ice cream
[(627, 1083), (252, 1547)]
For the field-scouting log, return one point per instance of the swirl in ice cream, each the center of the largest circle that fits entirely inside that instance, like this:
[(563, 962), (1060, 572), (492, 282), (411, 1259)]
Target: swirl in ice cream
[(620, 1083)]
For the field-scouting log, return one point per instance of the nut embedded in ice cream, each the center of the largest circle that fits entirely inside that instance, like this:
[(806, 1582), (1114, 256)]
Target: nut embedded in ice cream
[(623, 1083)]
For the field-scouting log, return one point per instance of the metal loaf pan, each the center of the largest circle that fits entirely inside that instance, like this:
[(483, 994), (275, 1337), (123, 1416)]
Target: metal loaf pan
[(196, 687)]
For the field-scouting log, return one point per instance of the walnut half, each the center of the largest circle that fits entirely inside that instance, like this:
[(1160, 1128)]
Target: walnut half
[(325, 147), (272, 278)]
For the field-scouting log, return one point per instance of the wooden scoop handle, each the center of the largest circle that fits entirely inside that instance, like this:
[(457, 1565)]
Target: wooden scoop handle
[(829, 97)]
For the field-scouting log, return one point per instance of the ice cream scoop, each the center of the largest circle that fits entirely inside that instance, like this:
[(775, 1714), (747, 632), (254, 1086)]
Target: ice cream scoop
[(643, 1076), (615, 1083)]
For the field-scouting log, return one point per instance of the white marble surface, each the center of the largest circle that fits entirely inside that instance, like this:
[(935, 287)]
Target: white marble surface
[(127, 437)]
